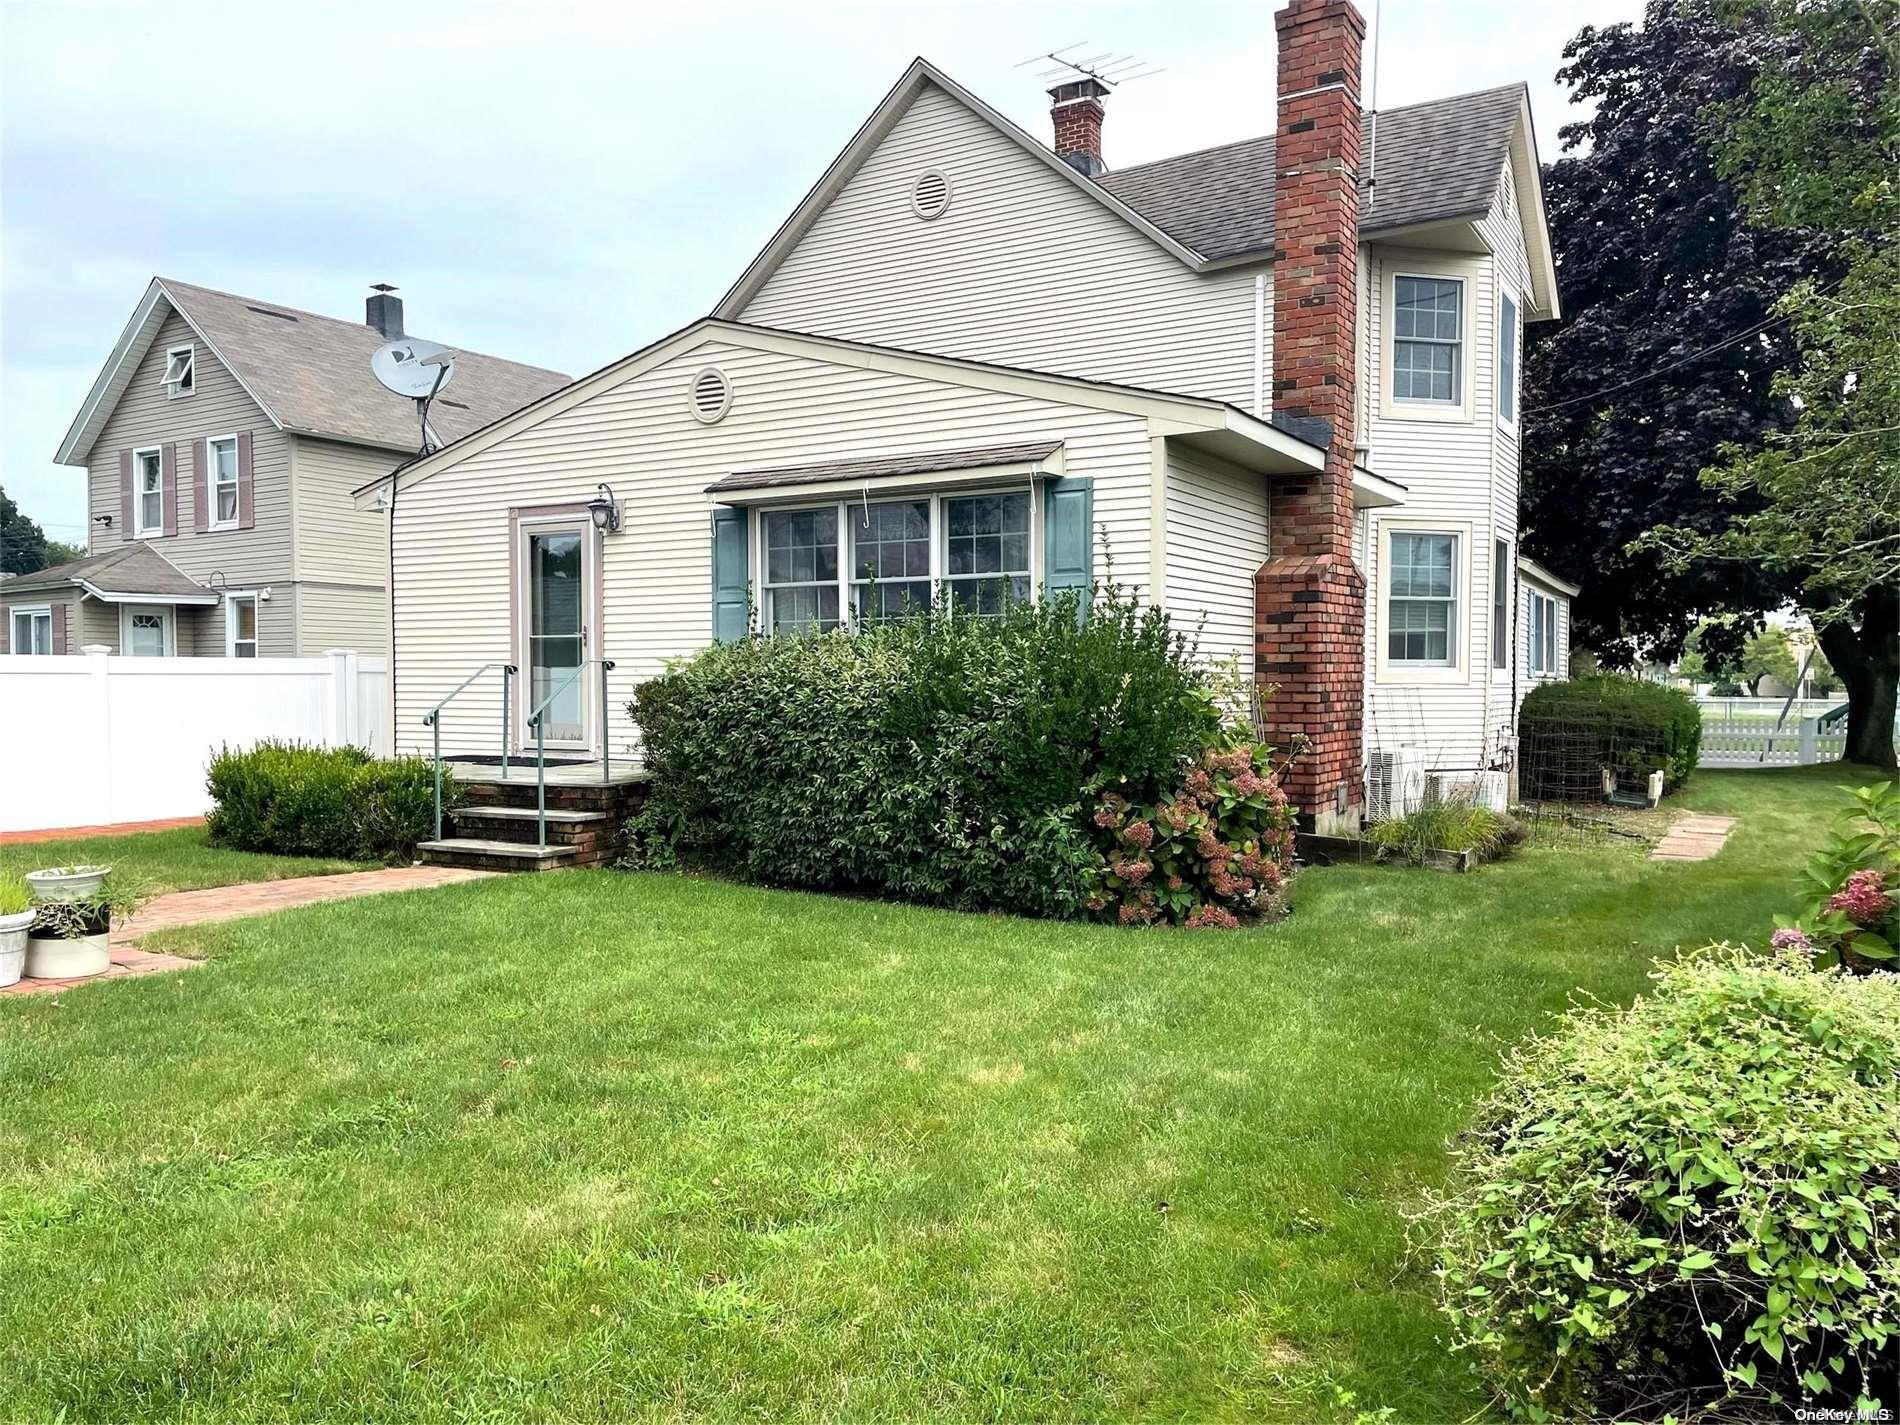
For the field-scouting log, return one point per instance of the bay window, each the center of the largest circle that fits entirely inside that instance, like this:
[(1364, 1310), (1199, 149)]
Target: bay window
[(856, 561), (1428, 339)]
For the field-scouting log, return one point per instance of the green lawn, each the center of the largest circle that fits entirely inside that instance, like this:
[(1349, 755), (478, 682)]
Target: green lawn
[(591, 1147), (179, 860)]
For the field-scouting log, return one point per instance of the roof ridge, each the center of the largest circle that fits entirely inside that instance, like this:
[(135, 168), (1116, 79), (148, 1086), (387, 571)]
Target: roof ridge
[(1269, 138), (170, 282)]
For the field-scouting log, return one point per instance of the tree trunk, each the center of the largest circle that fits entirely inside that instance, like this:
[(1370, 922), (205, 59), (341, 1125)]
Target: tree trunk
[(1867, 661)]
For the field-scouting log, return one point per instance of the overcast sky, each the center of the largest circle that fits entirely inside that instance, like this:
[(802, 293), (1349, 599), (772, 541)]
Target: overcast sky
[(557, 184)]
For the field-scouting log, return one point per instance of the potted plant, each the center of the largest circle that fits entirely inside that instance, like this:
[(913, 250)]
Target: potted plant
[(16, 916), (73, 910)]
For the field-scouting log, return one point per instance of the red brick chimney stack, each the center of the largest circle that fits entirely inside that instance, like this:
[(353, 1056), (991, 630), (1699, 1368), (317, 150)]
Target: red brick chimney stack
[(1310, 598), (1076, 109)]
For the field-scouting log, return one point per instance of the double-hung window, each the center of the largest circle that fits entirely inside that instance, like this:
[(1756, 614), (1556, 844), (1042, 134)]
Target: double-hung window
[(801, 569), (1427, 339), (859, 561), (30, 630), (1543, 633), (1421, 609), (1501, 604), (180, 373), (240, 625), (148, 493), (1507, 361), (223, 481)]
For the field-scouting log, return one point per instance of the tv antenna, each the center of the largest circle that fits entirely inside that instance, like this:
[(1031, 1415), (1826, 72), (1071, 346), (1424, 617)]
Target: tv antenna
[(418, 369), (1107, 69)]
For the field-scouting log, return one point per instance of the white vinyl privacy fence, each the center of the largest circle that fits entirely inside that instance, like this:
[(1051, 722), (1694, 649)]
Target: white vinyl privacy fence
[(99, 739), (1761, 743)]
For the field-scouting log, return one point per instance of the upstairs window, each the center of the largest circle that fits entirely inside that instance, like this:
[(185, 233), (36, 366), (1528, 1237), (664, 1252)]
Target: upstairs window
[(1421, 611), (179, 372), (1507, 361), (1428, 339), (148, 493), (223, 481)]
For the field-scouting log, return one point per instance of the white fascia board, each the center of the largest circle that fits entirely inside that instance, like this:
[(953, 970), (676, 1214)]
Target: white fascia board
[(1530, 207), (1531, 569), (1371, 491), (106, 596)]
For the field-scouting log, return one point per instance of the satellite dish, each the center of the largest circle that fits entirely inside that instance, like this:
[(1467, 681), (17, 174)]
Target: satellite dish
[(409, 366)]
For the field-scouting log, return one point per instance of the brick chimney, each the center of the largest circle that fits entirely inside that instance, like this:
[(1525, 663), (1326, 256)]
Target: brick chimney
[(1076, 109), (1310, 598)]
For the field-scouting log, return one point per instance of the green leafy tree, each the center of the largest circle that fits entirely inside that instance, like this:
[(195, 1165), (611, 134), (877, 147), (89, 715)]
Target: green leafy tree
[(1768, 654), (22, 541), (1814, 145)]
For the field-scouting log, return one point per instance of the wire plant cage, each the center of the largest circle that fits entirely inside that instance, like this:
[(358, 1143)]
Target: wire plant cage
[(1595, 759)]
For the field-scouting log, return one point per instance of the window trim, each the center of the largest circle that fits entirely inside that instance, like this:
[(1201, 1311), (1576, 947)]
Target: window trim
[(892, 494), (1502, 566), (141, 530), (231, 640), (168, 626), (211, 482), (1466, 275), (1513, 390), (174, 390), (1399, 671), (28, 611), (1548, 636)]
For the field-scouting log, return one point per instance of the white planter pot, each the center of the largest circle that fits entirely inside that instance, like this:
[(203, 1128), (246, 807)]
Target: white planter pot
[(13, 930), (69, 885), (50, 958)]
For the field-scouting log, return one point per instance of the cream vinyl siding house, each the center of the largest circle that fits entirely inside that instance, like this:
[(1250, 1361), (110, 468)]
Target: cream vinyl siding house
[(276, 560), (461, 595)]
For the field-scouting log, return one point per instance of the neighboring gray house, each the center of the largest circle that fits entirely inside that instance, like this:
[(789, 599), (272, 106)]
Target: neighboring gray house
[(221, 443)]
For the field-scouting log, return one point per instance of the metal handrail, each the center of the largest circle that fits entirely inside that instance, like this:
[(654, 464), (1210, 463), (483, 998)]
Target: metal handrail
[(433, 719), (538, 721)]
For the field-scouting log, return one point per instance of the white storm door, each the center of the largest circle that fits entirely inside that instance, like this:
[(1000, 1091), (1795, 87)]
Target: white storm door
[(555, 600)]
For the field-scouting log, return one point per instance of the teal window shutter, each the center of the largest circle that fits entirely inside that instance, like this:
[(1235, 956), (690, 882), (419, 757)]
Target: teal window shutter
[(1068, 534), (729, 575)]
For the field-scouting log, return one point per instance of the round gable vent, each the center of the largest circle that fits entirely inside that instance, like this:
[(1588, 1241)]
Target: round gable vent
[(930, 194), (711, 395)]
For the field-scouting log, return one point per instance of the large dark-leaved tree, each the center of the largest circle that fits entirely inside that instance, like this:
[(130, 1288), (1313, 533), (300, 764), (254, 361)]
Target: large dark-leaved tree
[(1657, 264)]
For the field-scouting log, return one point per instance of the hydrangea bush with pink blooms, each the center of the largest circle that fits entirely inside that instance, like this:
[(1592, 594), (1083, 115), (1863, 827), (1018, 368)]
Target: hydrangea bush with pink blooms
[(1852, 909), (1213, 852)]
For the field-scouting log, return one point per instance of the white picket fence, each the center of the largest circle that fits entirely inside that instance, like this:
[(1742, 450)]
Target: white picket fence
[(99, 739), (1761, 744)]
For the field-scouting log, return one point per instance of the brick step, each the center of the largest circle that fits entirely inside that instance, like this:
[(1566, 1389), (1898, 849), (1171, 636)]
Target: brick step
[(480, 855), (615, 799), (584, 829)]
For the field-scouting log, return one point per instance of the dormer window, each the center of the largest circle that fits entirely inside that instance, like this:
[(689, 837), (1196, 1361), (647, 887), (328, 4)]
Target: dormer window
[(179, 364)]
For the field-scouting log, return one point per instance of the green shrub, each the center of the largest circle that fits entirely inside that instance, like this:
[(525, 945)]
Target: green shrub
[(1687, 1203), (947, 760), (1450, 825), (295, 800), (1637, 727)]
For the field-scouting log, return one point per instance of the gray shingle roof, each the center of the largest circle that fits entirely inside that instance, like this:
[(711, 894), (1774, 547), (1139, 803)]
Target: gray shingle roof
[(879, 466), (313, 372), (1436, 160), (130, 569)]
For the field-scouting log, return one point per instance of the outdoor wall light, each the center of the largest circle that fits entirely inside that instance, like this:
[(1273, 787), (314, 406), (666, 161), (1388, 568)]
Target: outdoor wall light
[(605, 509)]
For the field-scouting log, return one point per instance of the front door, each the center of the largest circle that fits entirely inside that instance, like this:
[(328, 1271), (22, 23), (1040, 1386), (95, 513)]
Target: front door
[(556, 613)]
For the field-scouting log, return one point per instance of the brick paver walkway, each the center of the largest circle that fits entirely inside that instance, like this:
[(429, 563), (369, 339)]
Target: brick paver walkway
[(231, 902), (1693, 838), (122, 828)]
